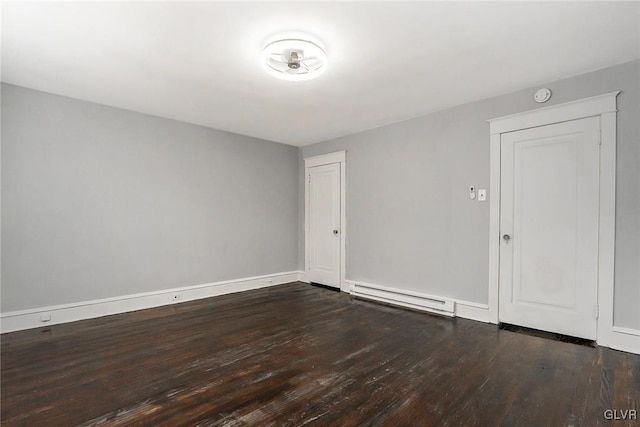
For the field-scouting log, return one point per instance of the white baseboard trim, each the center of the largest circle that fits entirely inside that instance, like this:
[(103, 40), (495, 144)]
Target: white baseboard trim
[(628, 331), (625, 339), (618, 338), (33, 318), (303, 277), (473, 311), (435, 304)]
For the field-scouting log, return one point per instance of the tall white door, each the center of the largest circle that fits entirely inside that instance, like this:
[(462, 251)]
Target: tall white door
[(324, 225), (549, 227)]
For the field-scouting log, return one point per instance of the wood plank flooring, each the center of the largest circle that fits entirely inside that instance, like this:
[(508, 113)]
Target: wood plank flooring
[(300, 355)]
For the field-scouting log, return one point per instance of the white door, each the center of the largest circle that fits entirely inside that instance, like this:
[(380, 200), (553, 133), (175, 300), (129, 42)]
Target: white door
[(549, 227), (324, 225)]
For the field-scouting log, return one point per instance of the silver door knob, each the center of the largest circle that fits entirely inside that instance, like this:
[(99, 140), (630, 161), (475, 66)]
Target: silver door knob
[(335, 231), (506, 238)]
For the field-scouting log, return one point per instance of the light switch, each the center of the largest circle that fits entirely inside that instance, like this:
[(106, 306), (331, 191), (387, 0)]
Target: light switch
[(482, 194)]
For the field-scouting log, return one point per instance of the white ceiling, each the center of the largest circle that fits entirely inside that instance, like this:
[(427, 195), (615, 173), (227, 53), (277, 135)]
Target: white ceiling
[(389, 61)]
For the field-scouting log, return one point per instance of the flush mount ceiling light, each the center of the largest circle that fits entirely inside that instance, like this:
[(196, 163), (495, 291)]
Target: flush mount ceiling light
[(294, 59)]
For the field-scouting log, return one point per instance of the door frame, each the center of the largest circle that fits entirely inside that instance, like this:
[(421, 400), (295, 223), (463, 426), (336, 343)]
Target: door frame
[(604, 107), (321, 160)]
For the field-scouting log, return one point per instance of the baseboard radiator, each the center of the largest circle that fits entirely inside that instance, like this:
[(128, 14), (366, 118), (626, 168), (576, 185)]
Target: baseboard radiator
[(404, 298)]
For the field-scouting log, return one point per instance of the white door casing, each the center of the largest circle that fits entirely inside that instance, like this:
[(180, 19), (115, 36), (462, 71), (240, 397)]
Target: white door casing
[(325, 219), (604, 108), (549, 227), (324, 224)]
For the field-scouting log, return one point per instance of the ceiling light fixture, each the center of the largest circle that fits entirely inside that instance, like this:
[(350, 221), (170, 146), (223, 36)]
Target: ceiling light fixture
[(294, 59)]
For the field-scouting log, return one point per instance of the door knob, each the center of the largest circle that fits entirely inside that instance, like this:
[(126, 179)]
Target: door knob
[(335, 231), (506, 238)]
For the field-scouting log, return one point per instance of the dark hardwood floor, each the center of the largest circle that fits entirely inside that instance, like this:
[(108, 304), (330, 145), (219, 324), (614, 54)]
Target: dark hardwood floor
[(301, 355)]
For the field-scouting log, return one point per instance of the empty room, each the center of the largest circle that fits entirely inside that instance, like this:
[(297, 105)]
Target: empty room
[(320, 213)]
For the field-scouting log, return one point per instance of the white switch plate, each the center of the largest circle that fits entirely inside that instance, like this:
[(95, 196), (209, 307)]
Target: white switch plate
[(482, 194)]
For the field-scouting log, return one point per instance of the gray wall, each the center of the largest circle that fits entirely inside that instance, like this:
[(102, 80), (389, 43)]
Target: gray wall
[(410, 223), (100, 202)]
